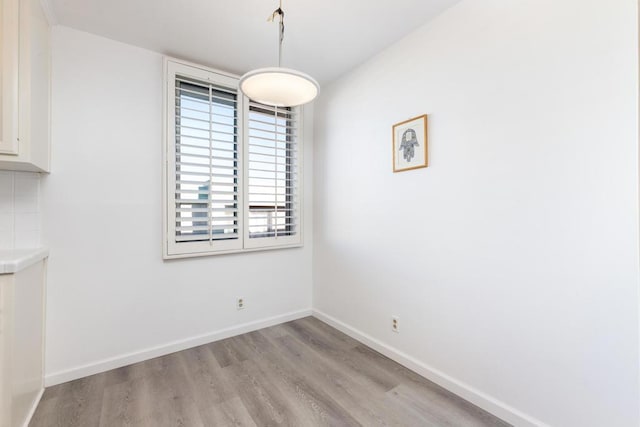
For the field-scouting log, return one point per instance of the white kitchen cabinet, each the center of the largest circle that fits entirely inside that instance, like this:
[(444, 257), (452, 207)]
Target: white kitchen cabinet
[(22, 315), (25, 41)]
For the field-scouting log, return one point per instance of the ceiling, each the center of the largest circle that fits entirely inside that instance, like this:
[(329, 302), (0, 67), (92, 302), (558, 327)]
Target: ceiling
[(323, 38)]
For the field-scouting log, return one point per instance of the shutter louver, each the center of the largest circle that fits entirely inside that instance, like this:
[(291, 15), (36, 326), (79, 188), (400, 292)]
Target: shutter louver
[(272, 172), (206, 162)]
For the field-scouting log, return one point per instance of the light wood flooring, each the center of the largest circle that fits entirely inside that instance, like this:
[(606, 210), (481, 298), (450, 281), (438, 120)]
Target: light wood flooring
[(301, 373)]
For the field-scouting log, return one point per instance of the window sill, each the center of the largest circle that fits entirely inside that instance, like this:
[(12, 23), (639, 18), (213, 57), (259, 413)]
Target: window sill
[(168, 257)]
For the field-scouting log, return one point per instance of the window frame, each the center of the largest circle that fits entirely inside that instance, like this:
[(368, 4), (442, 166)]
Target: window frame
[(173, 249)]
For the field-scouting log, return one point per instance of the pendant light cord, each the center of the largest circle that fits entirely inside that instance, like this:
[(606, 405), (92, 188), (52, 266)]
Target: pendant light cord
[(279, 12)]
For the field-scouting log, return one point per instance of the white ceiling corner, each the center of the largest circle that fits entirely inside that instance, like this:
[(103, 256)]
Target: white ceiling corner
[(49, 12), (324, 39)]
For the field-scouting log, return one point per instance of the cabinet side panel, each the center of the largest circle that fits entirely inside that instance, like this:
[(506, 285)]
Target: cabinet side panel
[(26, 368), (39, 95), (6, 338)]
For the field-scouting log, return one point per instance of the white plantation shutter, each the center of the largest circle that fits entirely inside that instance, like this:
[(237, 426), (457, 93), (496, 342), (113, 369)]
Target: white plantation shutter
[(205, 215), (232, 171), (272, 199)]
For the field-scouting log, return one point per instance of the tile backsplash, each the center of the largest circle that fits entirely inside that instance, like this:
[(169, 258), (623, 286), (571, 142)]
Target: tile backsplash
[(19, 210)]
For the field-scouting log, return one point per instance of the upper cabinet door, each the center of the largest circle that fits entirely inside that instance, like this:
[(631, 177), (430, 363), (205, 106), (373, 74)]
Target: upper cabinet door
[(25, 83), (9, 95)]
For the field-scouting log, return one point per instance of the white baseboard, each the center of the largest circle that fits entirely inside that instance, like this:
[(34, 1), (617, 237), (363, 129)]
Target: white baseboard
[(33, 408), (149, 353), (478, 398)]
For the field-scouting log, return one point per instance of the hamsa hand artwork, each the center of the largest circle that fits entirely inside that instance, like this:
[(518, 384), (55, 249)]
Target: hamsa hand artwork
[(408, 144)]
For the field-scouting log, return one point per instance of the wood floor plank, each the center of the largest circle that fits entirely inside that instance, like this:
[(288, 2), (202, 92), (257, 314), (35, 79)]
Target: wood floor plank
[(276, 331), (333, 333), (357, 394), (123, 403), (77, 403), (315, 337), (47, 413), (266, 405), (358, 363), (231, 412), (392, 368), (301, 373), (50, 393), (438, 397), (212, 391), (439, 411), (227, 352), (306, 399), (168, 399), (121, 375)]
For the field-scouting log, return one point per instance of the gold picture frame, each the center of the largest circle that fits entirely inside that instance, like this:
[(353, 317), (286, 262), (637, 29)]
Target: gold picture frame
[(410, 144)]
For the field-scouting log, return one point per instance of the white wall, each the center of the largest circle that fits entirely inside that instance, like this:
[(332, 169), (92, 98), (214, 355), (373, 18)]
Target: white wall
[(110, 295), (20, 221), (512, 261)]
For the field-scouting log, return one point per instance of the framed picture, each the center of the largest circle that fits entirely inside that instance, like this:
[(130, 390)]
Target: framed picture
[(410, 145)]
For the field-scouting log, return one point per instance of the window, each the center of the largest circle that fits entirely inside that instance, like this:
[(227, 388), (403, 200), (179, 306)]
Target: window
[(232, 170)]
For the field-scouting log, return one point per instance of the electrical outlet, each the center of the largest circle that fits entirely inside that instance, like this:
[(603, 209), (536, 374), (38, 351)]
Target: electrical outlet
[(395, 323), (240, 303)]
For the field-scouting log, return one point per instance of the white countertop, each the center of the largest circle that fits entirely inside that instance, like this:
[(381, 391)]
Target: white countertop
[(14, 260)]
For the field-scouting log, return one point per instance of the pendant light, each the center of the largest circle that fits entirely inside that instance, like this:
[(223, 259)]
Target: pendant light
[(277, 86)]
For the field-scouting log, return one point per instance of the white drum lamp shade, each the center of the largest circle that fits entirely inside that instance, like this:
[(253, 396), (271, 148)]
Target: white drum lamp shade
[(279, 87)]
